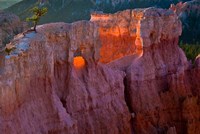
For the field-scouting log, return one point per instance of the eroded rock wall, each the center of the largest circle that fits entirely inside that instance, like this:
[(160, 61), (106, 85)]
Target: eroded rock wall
[(44, 93), (136, 78)]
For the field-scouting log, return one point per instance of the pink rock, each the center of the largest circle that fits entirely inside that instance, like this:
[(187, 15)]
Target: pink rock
[(136, 78)]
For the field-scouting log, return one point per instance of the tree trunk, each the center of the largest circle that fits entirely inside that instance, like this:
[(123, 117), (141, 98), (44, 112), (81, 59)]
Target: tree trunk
[(35, 24)]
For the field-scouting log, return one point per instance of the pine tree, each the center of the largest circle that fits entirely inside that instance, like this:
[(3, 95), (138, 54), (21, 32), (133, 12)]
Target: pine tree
[(37, 14)]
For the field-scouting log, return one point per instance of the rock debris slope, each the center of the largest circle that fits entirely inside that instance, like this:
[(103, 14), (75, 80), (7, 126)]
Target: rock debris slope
[(10, 25), (136, 79)]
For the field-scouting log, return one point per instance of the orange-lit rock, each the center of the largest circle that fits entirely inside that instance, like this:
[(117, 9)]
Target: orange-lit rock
[(79, 62), (114, 31), (137, 79)]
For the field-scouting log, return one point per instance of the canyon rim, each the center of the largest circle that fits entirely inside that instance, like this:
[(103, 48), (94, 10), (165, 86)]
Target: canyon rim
[(135, 79)]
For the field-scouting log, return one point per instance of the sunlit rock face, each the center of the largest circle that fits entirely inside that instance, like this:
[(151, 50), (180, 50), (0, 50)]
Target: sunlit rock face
[(137, 29), (133, 77), (79, 62), (114, 30)]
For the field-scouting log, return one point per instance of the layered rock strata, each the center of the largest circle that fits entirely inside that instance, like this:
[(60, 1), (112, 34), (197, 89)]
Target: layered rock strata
[(136, 79)]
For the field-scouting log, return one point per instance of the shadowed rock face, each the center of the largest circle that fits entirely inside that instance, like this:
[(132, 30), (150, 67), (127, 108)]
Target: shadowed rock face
[(10, 25), (189, 13), (135, 80)]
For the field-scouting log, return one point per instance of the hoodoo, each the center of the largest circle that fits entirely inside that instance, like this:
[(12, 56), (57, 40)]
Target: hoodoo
[(135, 78)]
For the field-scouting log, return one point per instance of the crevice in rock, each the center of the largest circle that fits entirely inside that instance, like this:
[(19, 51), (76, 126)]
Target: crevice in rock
[(63, 101), (2, 62), (127, 97), (127, 94), (165, 88)]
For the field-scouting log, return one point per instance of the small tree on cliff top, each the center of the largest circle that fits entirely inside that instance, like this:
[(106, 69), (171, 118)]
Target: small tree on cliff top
[(37, 14)]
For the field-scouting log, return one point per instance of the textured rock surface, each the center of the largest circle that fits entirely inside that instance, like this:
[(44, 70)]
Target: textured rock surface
[(136, 78), (41, 92), (10, 25), (137, 29)]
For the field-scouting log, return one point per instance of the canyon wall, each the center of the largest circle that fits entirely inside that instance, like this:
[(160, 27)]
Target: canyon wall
[(135, 79)]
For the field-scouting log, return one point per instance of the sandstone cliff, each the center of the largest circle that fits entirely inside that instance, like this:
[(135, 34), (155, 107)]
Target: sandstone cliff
[(135, 79)]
